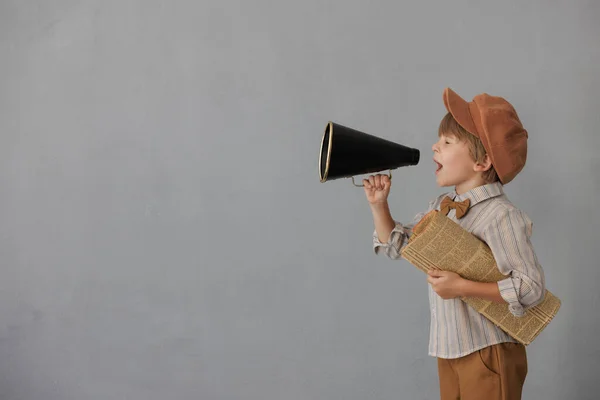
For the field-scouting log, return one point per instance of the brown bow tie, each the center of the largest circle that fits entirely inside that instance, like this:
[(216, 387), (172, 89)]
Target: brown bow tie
[(461, 207)]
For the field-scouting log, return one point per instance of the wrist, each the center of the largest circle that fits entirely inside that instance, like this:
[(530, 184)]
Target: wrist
[(482, 290), (466, 288), (379, 206)]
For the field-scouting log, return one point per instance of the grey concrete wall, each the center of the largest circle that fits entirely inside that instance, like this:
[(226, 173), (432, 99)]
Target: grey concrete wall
[(163, 231)]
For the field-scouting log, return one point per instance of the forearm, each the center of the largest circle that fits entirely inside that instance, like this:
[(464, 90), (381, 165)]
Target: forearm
[(384, 223), (482, 290)]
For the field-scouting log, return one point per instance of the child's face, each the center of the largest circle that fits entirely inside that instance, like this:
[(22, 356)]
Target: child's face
[(455, 167)]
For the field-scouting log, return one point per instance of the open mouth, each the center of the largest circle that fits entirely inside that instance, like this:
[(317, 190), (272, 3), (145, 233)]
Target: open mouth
[(439, 166)]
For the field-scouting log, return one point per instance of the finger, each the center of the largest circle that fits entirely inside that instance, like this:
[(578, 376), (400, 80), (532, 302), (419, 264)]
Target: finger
[(430, 279), (372, 181), (377, 180), (434, 273), (366, 184)]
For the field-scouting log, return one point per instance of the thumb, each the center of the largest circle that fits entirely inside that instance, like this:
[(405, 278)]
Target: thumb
[(434, 273)]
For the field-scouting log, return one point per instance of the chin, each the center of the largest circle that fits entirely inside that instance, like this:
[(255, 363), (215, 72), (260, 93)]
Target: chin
[(442, 183)]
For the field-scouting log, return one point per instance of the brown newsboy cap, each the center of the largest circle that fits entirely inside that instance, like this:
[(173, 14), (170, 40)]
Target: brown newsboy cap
[(496, 123)]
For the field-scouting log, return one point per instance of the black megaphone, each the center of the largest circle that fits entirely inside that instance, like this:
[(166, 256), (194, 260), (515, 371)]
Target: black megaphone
[(346, 152)]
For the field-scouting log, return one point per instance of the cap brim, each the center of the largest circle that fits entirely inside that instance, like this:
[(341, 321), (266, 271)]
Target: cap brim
[(459, 108)]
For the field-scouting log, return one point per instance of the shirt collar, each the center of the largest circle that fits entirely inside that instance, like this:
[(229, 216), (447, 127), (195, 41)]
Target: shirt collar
[(479, 194)]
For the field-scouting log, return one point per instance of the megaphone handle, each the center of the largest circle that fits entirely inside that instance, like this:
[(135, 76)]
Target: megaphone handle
[(390, 176)]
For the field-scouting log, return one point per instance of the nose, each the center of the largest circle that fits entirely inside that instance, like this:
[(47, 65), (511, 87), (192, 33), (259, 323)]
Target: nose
[(435, 147)]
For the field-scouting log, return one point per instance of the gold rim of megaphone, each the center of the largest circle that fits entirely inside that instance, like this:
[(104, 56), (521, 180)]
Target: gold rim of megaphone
[(330, 128)]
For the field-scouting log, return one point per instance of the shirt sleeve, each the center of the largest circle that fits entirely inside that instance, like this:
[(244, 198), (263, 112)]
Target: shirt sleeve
[(399, 236), (508, 236)]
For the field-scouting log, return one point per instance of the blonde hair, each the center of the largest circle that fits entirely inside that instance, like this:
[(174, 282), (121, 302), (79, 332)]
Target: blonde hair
[(449, 126)]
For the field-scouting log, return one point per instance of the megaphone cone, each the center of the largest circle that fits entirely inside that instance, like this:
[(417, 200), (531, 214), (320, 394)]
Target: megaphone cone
[(346, 152)]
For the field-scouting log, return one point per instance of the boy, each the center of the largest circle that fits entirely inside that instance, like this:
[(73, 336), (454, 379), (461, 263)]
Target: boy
[(482, 146)]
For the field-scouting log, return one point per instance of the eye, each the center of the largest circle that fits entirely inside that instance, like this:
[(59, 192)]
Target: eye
[(447, 142)]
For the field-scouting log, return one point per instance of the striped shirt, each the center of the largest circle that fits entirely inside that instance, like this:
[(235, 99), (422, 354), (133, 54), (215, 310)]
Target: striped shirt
[(456, 329)]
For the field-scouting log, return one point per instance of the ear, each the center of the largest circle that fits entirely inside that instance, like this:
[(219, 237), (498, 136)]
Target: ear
[(483, 166)]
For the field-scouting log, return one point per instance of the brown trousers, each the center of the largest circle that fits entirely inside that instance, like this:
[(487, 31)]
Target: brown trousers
[(495, 372)]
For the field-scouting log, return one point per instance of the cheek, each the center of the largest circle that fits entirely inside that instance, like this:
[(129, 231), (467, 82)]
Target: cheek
[(457, 159), (450, 160)]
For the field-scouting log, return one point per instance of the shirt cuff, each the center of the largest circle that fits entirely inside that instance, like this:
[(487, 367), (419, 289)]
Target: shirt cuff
[(396, 236), (509, 294)]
